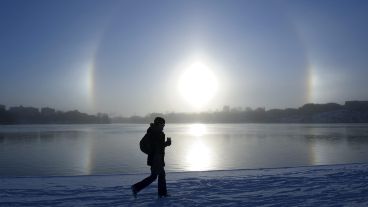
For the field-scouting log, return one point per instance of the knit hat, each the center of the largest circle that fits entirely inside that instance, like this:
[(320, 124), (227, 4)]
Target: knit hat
[(159, 120)]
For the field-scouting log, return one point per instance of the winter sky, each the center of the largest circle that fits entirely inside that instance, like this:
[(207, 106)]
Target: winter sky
[(136, 57)]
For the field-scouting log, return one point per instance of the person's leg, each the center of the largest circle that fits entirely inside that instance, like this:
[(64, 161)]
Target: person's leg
[(145, 182), (162, 191)]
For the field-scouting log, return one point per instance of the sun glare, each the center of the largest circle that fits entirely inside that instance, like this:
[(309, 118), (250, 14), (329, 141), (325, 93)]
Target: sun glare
[(198, 84), (198, 157), (197, 129)]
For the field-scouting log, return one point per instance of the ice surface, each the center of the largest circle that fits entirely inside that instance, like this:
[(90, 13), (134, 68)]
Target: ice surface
[(337, 185)]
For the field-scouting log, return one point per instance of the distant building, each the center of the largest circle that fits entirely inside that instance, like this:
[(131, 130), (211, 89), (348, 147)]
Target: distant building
[(357, 105), (2, 107), (24, 110), (226, 108), (46, 111), (15, 109)]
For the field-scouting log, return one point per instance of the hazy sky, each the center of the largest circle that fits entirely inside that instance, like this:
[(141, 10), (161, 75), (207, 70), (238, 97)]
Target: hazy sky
[(137, 57)]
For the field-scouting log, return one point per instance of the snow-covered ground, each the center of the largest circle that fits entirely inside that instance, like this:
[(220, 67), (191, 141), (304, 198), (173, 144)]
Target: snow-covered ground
[(337, 185)]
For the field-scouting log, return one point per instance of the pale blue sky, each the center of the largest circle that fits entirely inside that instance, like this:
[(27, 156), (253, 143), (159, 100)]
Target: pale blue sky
[(126, 57)]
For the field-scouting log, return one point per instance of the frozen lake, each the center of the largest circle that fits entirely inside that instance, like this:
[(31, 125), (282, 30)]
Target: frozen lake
[(41, 150)]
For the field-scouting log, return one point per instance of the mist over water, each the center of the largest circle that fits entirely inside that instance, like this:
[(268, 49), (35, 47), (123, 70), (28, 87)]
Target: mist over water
[(39, 150)]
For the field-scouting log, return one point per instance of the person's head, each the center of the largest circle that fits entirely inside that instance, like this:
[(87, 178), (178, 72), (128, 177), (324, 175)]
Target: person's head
[(159, 121)]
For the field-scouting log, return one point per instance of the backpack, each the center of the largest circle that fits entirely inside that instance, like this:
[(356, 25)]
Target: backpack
[(145, 144)]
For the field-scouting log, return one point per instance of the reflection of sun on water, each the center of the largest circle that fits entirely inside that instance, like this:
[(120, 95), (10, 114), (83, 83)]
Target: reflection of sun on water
[(197, 129), (199, 155)]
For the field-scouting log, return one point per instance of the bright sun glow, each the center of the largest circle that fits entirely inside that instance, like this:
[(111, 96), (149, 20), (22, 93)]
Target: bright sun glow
[(198, 84), (197, 129)]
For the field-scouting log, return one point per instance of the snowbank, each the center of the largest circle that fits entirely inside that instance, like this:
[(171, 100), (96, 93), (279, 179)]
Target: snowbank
[(338, 185)]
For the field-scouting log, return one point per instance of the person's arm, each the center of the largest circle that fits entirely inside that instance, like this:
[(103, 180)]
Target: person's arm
[(168, 143)]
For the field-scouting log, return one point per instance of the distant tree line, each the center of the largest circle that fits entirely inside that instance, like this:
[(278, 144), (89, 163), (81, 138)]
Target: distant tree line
[(350, 112), (31, 115)]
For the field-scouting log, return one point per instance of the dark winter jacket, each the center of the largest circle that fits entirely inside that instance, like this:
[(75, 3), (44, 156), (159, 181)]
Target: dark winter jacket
[(157, 140)]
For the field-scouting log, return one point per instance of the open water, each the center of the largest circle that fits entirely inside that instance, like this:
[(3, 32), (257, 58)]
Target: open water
[(42, 150)]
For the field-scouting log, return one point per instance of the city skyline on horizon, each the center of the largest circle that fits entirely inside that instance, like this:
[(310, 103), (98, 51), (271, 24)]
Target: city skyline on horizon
[(225, 108)]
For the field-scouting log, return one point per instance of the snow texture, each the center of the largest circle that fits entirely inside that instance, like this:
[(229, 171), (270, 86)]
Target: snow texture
[(337, 185)]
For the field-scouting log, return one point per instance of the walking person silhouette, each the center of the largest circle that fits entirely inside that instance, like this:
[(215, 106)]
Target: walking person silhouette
[(155, 159)]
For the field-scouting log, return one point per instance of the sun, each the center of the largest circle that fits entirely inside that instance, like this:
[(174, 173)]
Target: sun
[(198, 84)]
